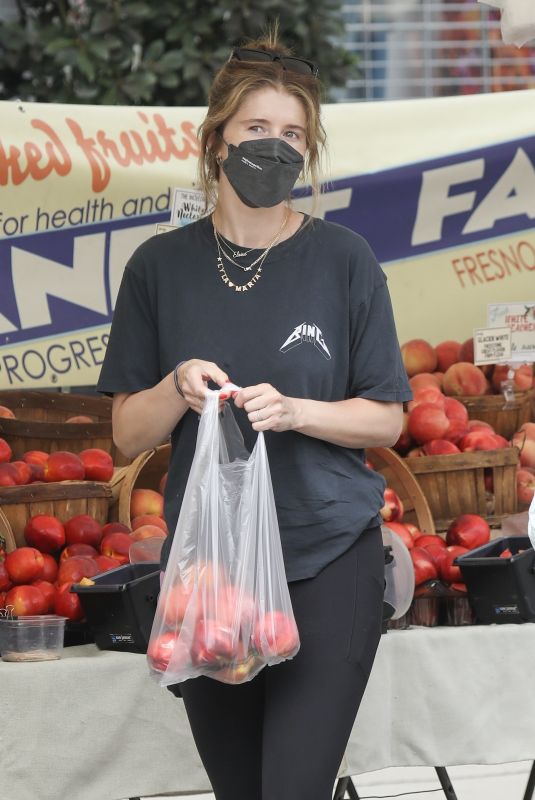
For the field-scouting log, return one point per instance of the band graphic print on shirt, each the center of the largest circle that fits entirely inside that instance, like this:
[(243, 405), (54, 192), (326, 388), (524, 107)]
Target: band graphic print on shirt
[(306, 333)]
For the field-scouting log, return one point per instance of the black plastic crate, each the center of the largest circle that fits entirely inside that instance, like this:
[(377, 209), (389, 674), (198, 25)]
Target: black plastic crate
[(501, 589), (121, 605)]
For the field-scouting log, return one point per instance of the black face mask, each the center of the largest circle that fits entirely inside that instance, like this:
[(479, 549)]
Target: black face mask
[(262, 172)]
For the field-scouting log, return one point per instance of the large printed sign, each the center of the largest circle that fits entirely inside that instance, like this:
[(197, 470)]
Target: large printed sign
[(443, 189)]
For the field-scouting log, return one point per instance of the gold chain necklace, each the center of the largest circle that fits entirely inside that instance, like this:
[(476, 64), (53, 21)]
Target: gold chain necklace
[(220, 245), (260, 261)]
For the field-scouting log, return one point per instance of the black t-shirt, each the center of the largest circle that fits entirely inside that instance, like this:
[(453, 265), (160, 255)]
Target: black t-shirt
[(318, 324)]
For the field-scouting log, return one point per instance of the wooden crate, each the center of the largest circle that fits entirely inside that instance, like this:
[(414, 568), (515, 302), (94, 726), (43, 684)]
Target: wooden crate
[(400, 478), (506, 419), (40, 423), (63, 500), (455, 484), (145, 472), (6, 534)]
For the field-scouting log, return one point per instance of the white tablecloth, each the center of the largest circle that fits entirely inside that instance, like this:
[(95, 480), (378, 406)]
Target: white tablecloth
[(94, 726)]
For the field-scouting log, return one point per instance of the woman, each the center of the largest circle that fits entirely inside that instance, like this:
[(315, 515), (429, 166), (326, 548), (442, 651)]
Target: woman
[(296, 311)]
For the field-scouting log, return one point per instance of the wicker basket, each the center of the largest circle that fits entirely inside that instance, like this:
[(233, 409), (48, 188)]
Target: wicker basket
[(63, 500), (506, 419), (455, 484), (399, 478), (145, 472), (6, 533), (40, 423)]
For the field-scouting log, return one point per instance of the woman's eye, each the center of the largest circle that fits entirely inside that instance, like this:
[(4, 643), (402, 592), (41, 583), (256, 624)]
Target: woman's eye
[(291, 135)]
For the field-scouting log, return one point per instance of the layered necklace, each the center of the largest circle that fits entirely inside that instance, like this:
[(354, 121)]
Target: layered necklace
[(225, 250)]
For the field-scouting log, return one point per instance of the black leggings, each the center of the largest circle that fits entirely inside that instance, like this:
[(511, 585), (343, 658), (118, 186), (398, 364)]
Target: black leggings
[(282, 735)]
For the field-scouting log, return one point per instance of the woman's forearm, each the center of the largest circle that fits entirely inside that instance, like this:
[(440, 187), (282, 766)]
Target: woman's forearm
[(145, 419), (356, 422)]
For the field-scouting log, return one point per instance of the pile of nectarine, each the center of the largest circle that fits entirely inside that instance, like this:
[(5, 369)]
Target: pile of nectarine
[(92, 464), (58, 554), (433, 556), (450, 366)]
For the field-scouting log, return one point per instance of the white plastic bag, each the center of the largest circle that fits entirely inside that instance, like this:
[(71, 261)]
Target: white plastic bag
[(531, 522), (517, 20), (224, 608)]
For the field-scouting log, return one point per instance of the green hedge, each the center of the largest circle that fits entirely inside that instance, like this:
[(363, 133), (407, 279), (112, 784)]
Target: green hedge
[(160, 53)]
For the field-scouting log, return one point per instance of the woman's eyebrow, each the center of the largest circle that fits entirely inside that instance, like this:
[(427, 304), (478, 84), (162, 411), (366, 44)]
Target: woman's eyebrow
[(268, 122)]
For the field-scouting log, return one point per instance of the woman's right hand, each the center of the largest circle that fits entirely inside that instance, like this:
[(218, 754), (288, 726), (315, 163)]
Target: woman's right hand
[(193, 377)]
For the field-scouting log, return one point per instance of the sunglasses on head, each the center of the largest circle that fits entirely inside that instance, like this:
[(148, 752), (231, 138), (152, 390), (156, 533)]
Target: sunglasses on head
[(290, 63)]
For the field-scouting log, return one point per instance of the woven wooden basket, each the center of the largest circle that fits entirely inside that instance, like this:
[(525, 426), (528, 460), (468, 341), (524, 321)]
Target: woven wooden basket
[(455, 484), (63, 500), (506, 419), (40, 423), (145, 472), (399, 478), (6, 533)]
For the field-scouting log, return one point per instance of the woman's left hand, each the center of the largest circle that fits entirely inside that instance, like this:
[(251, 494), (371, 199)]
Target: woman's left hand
[(267, 408)]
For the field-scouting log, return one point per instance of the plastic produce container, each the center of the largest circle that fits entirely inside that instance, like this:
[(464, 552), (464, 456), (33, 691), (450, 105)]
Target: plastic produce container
[(120, 606), (500, 578), (32, 638)]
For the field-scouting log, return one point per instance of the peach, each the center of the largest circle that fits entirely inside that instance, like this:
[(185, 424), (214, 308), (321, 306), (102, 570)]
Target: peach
[(464, 378), (404, 441), (416, 452), (455, 410), (79, 419), (116, 545), (6, 413), (479, 424), (427, 421), (527, 449), (149, 519), (466, 351), (522, 378), (528, 428), (439, 447), (422, 379), (63, 465), (393, 507), (147, 532), (115, 527), (427, 394), (481, 440), (525, 485), (98, 464), (447, 354), (439, 377), (418, 356), (5, 451), (38, 457), (146, 501), (8, 474)]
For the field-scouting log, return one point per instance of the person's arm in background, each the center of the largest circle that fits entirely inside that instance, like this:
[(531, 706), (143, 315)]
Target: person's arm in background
[(143, 420)]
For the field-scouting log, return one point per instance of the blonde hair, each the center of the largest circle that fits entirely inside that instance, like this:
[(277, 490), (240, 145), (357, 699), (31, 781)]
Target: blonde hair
[(235, 81)]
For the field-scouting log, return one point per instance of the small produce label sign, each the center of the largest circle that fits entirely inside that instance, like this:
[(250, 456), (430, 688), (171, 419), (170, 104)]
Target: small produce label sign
[(492, 345), (520, 319)]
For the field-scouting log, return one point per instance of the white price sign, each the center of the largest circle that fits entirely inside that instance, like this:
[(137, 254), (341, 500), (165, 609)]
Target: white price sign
[(492, 345), (520, 319), (187, 206)]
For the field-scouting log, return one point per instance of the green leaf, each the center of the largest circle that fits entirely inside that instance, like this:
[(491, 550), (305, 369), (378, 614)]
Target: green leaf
[(171, 60), (56, 45), (155, 50), (85, 65), (139, 10), (99, 48), (170, 80), (102, 21)]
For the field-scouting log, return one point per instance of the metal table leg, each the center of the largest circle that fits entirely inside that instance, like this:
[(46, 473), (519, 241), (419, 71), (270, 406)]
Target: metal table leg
[(345, 785), (445, 782), (530, 786)]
